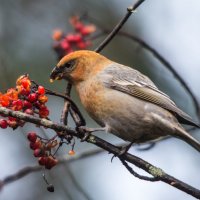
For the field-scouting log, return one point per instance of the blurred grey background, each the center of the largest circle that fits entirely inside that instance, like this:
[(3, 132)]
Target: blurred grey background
[(170, 26)]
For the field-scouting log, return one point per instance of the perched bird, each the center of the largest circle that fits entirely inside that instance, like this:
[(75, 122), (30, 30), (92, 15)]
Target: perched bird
[(122, 100)]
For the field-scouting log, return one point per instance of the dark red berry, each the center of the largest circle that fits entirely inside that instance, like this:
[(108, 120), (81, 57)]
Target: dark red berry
[(32, 97), (3, 123), (36, 145), (32, 137), (42, 160), (27, 104)]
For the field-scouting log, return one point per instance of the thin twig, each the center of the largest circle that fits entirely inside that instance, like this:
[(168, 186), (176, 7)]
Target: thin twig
[(149, 168), (116, 29), (73, 105), (64, 115), (146, 178), (34, 168)]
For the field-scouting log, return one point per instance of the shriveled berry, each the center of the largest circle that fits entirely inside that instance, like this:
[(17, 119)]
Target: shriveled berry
[(3, 123), (32, 97), (41, 90), (32, 137), (50, 188)]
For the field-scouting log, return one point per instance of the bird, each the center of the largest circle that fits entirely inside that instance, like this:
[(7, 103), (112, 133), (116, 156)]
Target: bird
[(122, 100)]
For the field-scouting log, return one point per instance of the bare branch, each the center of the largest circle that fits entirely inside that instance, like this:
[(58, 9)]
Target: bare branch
[(116, 29), (146, 178)]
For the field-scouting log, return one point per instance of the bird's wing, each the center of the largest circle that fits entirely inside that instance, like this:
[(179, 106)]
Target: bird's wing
[(132, 82)]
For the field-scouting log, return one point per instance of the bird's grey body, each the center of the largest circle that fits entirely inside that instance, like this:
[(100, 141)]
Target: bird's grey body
[(132, 118)]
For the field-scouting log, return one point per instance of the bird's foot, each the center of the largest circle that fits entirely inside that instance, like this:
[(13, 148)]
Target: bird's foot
[(87, 131), (124, 149)]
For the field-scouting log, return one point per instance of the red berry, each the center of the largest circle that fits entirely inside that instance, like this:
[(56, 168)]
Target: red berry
[(81, 45), (4, 100), (25, 82), (41, 90), (71, 38), (32, 97), (3, 123), (86, 30), (38, 152), (78, 26), (77, 38), (42, 160), (64, 45), (32, 136), (43, 112), (36, 145)]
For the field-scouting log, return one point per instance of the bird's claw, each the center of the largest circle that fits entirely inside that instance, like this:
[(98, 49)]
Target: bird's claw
[(124, 149)]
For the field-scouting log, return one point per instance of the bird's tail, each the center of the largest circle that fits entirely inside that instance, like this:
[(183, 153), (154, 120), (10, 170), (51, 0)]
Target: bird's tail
[(182, 134)]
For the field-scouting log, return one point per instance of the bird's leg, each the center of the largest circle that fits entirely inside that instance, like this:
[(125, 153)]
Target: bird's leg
[(87, 131), (123, 150)]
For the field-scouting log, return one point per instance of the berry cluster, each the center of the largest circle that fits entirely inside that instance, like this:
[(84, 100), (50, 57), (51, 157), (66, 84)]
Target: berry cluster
[(66, 43), (25, 98), (42, 150), (30, 98)]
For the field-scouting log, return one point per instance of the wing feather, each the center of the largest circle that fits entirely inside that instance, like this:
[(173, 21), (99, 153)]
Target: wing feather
[(134, 83)]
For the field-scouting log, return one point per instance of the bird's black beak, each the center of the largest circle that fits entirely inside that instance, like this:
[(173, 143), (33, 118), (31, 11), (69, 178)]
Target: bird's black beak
[(56, 74)]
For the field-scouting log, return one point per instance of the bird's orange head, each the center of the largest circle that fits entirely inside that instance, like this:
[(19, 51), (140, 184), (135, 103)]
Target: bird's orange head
[(78, 66)]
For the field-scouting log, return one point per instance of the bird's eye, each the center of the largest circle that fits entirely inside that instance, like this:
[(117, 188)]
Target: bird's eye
[(69, 65)]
